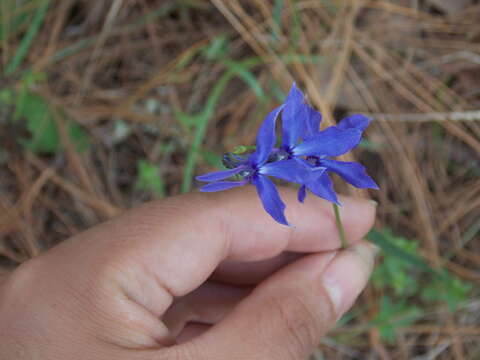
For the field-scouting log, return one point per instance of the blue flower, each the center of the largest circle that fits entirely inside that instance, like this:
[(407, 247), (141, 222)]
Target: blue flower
[(302, 122), (304, 156), (256, 168)]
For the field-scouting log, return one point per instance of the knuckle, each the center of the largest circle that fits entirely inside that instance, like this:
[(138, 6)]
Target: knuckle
[(300, 321)]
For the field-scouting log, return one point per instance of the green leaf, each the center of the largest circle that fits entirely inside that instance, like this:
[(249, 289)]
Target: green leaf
[(40, 123), (212, 159), (78, 136), (394, 272), (393, 315), (28, 79), (241, 149), (401, 270), (448, 289), (149, 179), (6, 96), (384, 241)]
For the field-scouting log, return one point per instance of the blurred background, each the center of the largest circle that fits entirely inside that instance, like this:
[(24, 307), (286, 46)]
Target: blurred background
[(108, 104)]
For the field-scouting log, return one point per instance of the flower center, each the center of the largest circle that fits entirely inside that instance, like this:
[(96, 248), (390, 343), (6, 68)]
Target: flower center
[(279, 154), (313, 160), (247, 173)]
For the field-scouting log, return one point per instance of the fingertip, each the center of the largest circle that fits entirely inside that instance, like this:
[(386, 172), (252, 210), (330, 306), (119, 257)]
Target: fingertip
[(315, 225), (358, 217), (254, 235), (347, 275)]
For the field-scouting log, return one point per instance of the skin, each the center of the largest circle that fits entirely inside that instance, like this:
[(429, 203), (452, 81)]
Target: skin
[(198, 276)]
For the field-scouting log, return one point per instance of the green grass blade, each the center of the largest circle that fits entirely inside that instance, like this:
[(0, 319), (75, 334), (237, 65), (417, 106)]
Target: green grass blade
[(277, 19), (379, 239), (247, 76), (27, 40), (296, 27), (201, 128), (11, 19)]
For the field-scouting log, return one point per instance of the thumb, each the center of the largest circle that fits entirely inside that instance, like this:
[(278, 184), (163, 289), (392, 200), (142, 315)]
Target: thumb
[(285, 316)]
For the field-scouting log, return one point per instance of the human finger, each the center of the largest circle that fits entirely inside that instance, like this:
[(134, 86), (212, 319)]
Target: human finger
[(285, 317), (206, 305)]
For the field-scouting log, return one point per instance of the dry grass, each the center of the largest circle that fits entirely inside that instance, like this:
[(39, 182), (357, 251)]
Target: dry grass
[(404, 60)]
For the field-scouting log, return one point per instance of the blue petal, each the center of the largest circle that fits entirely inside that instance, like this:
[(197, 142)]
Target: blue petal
[(312, 125), (222, 185), (323, 187), (353, 172), (302, 193), (270, 198), (266, 138), (356, 121), (290, 170), (330, 142), (294, 117), (220, 175)]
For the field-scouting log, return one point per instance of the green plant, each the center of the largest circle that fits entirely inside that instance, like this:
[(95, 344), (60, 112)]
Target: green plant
[(394, 272), (39, 117), (149, 179), (11, 21), (402, 275), (30, 35), (217, 49), (448, 289), (393, 315), (212, 159)]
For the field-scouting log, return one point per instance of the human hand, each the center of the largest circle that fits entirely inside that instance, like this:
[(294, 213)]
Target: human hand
[(199, 276)]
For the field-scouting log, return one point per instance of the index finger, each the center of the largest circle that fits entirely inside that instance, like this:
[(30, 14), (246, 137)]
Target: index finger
[(176, 244)]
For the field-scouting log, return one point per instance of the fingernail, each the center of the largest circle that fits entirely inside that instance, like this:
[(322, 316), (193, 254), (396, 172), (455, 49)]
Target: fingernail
[(367, 252), (347, 274), (373, 202)]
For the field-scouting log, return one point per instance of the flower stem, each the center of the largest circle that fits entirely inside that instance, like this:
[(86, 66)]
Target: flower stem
[(341, 230)]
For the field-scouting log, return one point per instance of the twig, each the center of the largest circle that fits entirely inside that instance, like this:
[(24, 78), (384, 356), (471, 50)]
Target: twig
[(473, 115)]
